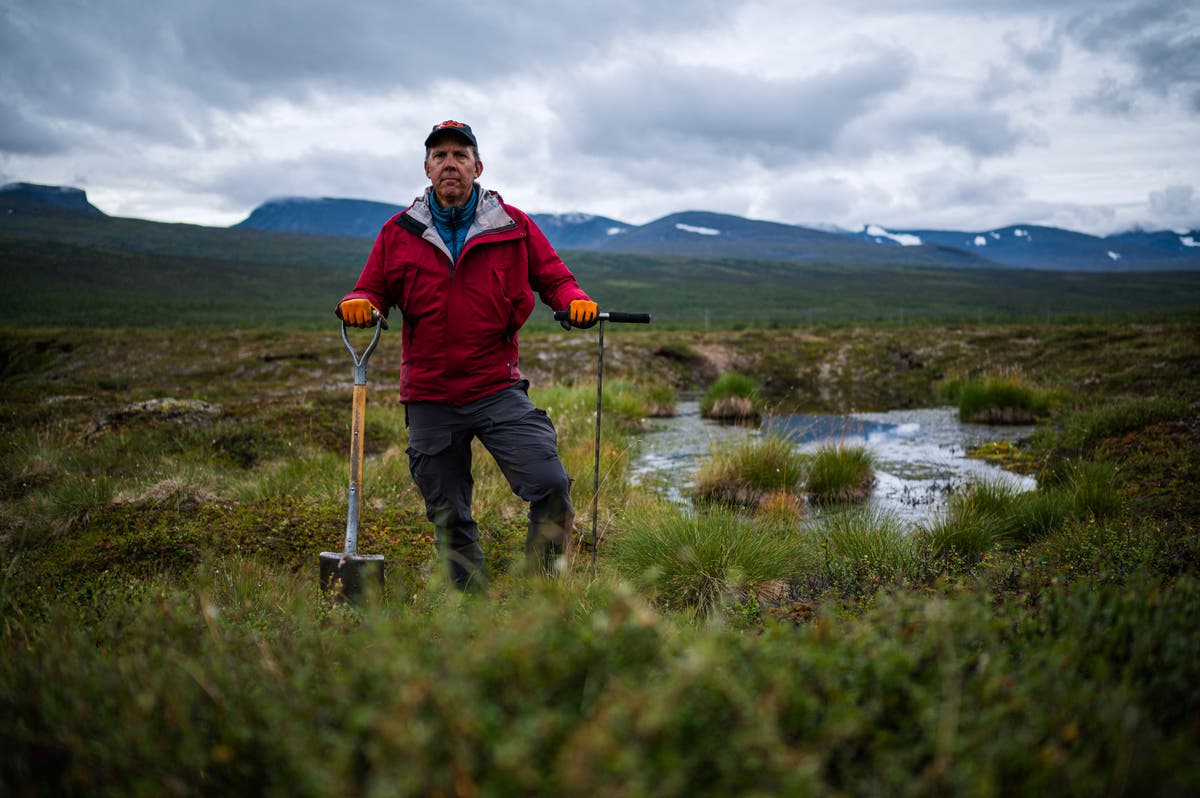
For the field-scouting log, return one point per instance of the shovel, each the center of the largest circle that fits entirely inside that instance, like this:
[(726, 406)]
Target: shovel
[(349, 573), (616, 317)]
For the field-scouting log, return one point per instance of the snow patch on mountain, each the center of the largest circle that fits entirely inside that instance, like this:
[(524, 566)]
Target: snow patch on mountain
[(701, 231), (903, 239)]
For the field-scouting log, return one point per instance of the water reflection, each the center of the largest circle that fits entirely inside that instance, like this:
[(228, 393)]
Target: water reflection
[(920, 455)]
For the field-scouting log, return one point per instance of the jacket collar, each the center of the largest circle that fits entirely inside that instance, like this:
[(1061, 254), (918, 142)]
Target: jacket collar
[(490, 215)]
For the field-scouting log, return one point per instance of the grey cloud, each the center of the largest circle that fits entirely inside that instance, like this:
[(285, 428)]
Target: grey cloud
[(169, 69), (20, 135), (943, 189), (715, 112), (1042, 58), (1160, 39), (320, 172), (1109, 96), (1176, 207), (978, 131), (1026, 65)]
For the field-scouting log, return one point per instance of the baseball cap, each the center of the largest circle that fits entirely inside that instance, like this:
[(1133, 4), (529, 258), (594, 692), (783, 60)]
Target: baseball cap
[(451, 126)]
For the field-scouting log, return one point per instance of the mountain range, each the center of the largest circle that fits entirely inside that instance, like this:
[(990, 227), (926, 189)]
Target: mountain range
[(707, 234), (704, 234), (63, 262)]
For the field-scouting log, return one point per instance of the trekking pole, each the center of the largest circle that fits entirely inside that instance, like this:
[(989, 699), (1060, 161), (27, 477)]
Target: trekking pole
[(618, 317)]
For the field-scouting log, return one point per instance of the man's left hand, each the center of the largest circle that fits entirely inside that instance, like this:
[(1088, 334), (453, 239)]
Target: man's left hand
[(583, 313)]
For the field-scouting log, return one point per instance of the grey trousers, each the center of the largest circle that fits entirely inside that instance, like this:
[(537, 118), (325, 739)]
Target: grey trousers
[(522, 439)]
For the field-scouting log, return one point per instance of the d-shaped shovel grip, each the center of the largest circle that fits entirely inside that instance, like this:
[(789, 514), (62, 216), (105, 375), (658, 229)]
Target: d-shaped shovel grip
[(360, 361), (356, 430)]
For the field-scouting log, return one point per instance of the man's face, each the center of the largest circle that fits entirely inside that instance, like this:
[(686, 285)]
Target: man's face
[(451, 166)]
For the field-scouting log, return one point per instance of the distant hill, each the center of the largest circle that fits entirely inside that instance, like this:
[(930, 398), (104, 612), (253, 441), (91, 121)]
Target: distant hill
[(718, 235), (1034, 247), (579, 230), (715, 235), (324, 216), (72, 199)]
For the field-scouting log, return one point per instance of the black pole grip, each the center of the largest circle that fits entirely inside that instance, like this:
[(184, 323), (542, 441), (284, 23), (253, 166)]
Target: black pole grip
[(610, 315)]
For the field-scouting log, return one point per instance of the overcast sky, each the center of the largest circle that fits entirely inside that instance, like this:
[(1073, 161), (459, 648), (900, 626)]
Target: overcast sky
[(904, 113)]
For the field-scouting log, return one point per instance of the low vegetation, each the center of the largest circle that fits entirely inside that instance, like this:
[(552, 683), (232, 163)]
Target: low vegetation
[(164, 634), (990, 516)]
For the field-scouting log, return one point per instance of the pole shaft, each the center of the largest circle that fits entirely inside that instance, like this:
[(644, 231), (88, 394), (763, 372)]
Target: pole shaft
[(596, 463)]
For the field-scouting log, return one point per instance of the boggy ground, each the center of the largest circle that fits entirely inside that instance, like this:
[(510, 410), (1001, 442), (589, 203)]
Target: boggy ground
[(84, 397), (156, 489)]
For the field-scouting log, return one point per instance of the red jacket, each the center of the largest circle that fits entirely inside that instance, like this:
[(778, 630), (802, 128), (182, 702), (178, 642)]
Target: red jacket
[(460, 320)]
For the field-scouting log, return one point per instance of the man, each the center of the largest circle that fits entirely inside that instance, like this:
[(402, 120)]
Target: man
[(462, 266)]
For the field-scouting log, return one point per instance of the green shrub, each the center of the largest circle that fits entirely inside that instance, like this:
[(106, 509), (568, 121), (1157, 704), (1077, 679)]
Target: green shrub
[(239, 681), (1110, 551), (840, 473)]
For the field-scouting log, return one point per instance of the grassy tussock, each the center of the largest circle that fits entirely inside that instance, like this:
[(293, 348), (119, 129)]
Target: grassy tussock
[(840, 473), (699, 561), (744, 473), (770, 468), (1005, 398), (864, 549), (730, 397)]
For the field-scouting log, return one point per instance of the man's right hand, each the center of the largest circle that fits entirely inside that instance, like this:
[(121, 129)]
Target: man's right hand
[(358, 312)]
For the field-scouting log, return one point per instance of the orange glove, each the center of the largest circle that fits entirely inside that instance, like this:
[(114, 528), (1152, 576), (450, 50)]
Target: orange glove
[(358, 312), (583, 313)]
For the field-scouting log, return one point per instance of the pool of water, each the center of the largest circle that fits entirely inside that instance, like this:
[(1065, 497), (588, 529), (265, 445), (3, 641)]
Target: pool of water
[(920, 455)]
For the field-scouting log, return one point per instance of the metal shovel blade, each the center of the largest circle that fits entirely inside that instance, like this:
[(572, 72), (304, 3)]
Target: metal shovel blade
[(352, 577)]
